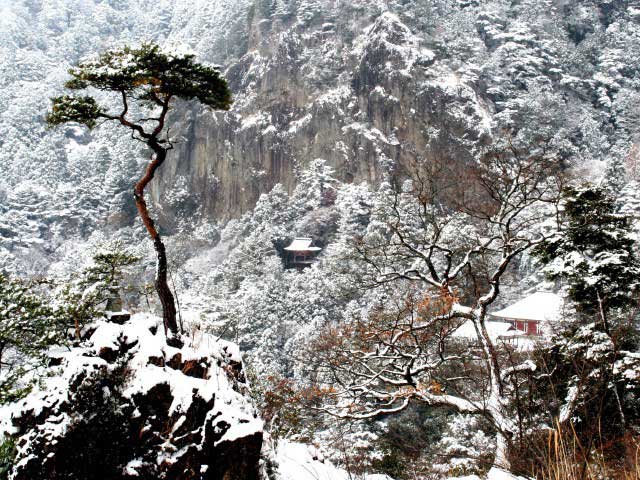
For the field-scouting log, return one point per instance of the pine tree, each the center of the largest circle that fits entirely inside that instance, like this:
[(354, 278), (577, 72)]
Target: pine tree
[(153, 79), (284, 9), (95, 285), (615, 175), (593, 253), (316, 187), (266, 8), (28, 326), (589, 361), (308, 11)]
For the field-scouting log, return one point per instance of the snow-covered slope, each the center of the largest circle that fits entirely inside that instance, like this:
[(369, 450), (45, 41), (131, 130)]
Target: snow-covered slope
[(297, 461)]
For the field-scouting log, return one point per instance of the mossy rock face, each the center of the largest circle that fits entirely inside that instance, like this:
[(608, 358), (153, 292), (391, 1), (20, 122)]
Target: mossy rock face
[(119, 418)]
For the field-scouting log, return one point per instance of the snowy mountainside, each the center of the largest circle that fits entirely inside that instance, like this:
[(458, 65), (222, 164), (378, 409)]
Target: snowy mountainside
[(56, 184), (337, 104), (369, 86)]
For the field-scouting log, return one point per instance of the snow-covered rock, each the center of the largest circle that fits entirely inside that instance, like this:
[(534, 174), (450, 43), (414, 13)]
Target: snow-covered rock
[(127, 405)]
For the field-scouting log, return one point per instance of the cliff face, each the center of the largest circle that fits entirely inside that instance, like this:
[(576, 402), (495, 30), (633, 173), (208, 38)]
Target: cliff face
[(364, 95), (370, 86)]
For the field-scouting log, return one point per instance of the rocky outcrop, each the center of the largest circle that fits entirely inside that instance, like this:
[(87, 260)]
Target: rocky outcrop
[(126, 405)]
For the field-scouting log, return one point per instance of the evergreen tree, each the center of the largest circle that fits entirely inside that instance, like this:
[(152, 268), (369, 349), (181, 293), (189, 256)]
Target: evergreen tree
[(316, 187), (154, 79), (593, 253), (308, 11), (108, 268), (284, 9), (95, 285), (28, 326), (8, 452), (615, 176), (266, 8), (589, 361)]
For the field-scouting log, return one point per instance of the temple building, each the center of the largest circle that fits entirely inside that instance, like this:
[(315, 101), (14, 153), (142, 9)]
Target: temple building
[(532, 314), (520, 324), (301, 253)]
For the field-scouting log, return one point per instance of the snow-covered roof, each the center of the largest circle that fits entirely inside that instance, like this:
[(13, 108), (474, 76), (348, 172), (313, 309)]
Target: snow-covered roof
[(494, 329), (540, 306), (302, 244), (498, 332)]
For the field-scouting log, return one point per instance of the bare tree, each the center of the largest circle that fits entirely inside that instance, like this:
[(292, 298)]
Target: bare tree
[(442, 246)]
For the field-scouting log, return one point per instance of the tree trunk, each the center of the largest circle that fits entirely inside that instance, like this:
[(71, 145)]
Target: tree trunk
[(161, 284), (501, 459), (162, 287)]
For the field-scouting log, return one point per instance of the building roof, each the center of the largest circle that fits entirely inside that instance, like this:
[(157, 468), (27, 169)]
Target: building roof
[(498, 332), (494, 329), (540, 306), (302, 244)]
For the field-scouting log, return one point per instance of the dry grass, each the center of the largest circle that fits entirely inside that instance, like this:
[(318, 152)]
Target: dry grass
[(567, 458)]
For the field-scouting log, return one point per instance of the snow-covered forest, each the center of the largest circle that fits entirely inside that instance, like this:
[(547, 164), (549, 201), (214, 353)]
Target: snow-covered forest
[(319, 239)]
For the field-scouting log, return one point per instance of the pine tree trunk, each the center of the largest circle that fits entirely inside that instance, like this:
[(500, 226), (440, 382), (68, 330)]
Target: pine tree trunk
[(162, 287), (161, 284)]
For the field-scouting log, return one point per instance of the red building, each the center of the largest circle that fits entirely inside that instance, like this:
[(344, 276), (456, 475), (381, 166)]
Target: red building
[(532, 314)]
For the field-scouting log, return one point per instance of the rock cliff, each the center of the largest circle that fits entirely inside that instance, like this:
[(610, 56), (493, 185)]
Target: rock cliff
[(366, 96)]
